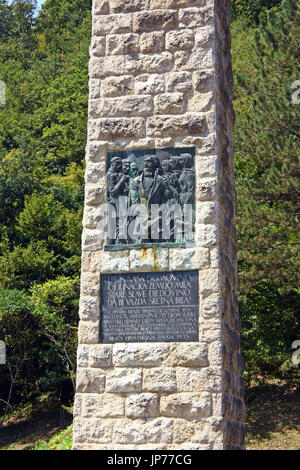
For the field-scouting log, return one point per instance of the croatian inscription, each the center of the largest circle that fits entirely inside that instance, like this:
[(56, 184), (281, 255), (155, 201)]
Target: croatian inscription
[(150, 196), (149, 307)]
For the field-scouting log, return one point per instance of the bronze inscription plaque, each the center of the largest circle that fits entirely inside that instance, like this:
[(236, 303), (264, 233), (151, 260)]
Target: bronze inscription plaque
[(149, 307)]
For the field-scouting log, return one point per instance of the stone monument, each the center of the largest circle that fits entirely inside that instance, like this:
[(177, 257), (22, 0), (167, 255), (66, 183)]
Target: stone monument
[(159, 363)]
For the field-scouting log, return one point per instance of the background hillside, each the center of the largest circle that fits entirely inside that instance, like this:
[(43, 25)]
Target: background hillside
[(43, 62)]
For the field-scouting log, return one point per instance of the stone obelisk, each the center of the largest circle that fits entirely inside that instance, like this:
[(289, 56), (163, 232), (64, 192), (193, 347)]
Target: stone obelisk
[(159, 364)]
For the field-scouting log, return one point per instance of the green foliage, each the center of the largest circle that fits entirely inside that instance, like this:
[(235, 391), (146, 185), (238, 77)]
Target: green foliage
[(267, 156), (251, 10), (55, 306), (61, 441), (267, 173), (44, 63), (270, 325), (18, 331), (40, 333)]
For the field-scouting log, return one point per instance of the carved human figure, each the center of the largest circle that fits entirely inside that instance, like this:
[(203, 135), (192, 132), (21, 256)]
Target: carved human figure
[(167, 169), (186, 180), (176, 169), (116, 183), (126, 171), (187, 195), (134, 170), (151, 188)]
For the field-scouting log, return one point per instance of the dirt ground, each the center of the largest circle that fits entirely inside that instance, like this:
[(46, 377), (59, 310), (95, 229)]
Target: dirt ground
[(273, 417), (22, 433)]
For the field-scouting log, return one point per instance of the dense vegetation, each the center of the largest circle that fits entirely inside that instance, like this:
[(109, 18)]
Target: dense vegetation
[(43, 61), (267, 138)]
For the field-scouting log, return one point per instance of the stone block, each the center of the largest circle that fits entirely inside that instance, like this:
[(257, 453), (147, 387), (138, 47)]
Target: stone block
[(124, 381), (174, 3), (206, 212), (149, 84), (82, 356), (213, 306), (77, 406), (210, 282), (159, 430), (94, 87), (203, 80), (159, 380), (92, 217), (95, 153), (117, 86), (100, 355), (183, 39), (191, 431), (178, 81), (207, 235), (103, 406), (170, 103), (208, 379), (90, 381), (110, 24), (189, 258), (120, 6), (95, 194), (153, 63), (148, 21), (204, 36), (195, 17), (101, 7), (201, 102), (140, 354), (207, 189), (210, 330), (92, 239), (94, 173), (88, 332), (177, 125), (144, 405), (186, 405), (115, 262), (216, 354), (188, 355), (117, 44), (152, 42), (89, 309), (117, 127), (97, 47), (207, 166), (122, 106), (92, 430), (90, 286), (191, 60)]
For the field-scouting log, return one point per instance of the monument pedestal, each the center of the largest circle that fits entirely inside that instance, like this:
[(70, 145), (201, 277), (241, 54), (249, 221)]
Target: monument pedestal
[(159, 363)]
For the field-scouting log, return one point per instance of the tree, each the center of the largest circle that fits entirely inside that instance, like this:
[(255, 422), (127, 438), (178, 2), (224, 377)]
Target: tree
[(44, 64), (252, 9), (56, 309), (267, 137), (267, 156)]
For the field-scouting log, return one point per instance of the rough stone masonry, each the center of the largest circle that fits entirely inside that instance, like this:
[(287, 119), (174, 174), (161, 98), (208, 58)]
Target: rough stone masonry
[(160, 76)]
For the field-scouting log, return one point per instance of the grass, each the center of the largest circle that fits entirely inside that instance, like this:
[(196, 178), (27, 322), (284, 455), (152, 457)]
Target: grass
[(61, 441), (273, 423)]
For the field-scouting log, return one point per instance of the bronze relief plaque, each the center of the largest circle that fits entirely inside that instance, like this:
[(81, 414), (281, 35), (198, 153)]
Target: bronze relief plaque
[(150, 197)]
